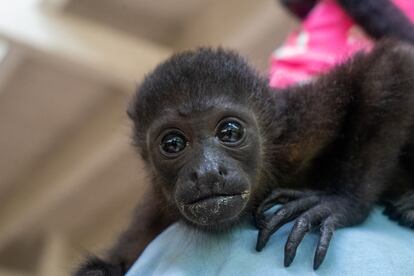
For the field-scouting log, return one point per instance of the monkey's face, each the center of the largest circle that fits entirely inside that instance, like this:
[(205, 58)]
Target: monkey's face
[(196, 124), (209, 161)]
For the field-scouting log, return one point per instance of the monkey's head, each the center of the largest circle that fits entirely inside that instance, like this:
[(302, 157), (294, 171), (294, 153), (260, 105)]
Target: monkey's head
[(197, 124)]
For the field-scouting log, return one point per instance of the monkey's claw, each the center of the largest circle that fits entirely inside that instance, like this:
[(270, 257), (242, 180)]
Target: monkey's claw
[(310, 210)]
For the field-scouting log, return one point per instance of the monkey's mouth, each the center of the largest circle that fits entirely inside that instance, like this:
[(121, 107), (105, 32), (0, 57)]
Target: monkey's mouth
[(213, 197), (215, 208)]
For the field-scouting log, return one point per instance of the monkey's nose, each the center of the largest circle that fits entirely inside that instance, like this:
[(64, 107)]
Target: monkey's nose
[(210, 182), (202, 174)]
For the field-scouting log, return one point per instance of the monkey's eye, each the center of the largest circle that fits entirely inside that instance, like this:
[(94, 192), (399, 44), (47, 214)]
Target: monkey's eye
[(173, 143), (230, 132)]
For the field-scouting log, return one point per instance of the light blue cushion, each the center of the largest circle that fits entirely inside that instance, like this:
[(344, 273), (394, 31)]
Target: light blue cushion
[(376, 247)]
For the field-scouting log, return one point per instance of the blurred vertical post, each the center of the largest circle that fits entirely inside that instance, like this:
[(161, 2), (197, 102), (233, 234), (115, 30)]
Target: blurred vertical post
[(54, 258)]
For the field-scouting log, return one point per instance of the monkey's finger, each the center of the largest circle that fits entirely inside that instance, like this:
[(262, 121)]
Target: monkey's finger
[(407, 219), (397, 210), (285, 214), (405, 208), (299, 230), (326, 231), (407, 198), (303, 224), (259, 220), (278, 196)]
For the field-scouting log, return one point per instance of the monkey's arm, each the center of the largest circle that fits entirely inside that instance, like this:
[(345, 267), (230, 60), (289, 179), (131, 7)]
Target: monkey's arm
[(362, 113), (300, 8), (380, 18), (150, 218)]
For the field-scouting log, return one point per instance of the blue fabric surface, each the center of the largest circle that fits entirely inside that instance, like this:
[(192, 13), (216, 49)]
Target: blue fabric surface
[(376, 247)]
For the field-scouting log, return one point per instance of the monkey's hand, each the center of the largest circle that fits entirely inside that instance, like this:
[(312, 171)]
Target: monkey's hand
[(311, 210), (97, 267), (402, 210)]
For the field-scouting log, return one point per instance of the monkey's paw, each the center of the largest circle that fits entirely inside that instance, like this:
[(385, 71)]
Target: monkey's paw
[(97, 267), (311, 210), (402, 210)]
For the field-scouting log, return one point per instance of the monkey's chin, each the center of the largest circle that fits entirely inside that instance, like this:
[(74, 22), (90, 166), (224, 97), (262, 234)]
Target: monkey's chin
[(215, 212)]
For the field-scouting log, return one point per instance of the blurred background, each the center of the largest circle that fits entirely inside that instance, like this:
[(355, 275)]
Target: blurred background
[(68, 175)]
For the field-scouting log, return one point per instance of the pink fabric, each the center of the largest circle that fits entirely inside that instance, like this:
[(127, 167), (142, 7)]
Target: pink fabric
[(327, 37), (407, 7)]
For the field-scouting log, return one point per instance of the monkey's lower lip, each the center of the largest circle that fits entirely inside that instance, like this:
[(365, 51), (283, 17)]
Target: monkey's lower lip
[(212, 198), (216, 208)]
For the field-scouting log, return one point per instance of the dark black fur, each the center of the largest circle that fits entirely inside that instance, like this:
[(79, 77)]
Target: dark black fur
[(328, 151), (379, 18), (300, 8), (97, 267)]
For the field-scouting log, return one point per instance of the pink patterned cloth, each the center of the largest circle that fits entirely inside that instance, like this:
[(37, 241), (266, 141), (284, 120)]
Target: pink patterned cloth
[(327, 37)]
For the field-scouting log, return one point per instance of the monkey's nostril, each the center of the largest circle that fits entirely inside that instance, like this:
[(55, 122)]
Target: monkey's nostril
[(222, 171)]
